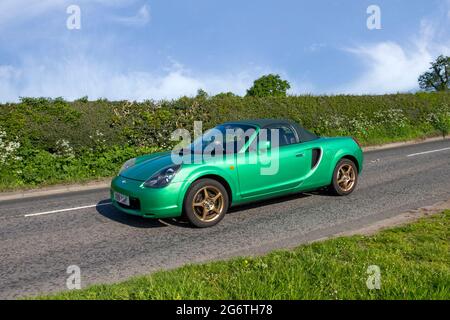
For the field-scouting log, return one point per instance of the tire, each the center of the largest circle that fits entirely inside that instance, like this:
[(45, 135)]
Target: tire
[(206, 203), (345, 178)]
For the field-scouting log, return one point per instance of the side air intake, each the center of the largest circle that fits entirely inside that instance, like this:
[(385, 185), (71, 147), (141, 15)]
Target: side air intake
[(316, 153)]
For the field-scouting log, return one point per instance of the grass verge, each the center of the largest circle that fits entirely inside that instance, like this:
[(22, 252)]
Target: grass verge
[(414, 261)]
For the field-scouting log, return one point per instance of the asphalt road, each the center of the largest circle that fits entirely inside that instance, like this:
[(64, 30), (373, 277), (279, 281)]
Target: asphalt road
[(36, 250)]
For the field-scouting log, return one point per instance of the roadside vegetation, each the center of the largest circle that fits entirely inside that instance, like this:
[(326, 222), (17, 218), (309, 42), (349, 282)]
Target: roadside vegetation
[(47, 141), (414, 263)]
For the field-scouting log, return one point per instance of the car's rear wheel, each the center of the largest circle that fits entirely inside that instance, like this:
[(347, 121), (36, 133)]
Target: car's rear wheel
[(345, 178), (206, 203)]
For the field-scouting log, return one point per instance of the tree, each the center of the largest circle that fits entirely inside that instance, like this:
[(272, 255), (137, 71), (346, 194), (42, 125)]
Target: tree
[(438, 76), (202, 94), (225, 95), (269, 85)]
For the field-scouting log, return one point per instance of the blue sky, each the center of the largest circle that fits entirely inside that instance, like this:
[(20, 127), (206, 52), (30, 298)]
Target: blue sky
[(140, 49)]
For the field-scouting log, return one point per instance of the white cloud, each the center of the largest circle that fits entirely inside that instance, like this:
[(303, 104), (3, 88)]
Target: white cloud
[(141, 18), (315, 47), (9, 77), (78, 76), (14, 12), (391, 67), (20, 10)]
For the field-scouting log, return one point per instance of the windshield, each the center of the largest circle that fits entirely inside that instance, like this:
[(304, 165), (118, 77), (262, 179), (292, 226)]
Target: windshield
[(225, 138)]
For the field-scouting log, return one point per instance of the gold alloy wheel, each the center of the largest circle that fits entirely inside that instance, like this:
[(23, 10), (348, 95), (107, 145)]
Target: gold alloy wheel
[(346, 177), (208, 203)]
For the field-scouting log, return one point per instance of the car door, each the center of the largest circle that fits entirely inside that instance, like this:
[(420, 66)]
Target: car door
[(263, 171)]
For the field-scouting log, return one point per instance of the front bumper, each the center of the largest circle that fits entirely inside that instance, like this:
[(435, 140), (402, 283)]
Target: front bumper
[(148, 202)]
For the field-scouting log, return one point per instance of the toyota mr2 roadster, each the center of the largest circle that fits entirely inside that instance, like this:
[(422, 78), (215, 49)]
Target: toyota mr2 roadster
[(235, 163)]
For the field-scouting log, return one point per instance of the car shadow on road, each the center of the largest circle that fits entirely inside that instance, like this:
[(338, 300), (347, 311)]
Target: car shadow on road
[(107, 210), (110, 212), (268, 202)]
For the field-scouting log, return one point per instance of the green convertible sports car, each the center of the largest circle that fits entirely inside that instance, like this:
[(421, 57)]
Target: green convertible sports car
[(234, 163)]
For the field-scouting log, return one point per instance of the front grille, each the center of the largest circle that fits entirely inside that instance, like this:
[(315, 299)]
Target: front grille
[(135, 204)]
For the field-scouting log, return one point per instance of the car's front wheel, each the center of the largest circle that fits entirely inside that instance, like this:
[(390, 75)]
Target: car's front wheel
[(206, 203), (345, 178)]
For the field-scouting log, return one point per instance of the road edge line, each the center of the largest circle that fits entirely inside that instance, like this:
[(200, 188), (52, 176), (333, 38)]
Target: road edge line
[(403, 143), (55, 190)]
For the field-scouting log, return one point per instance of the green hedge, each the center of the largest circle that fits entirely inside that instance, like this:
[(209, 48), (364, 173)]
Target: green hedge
[(45, 141)]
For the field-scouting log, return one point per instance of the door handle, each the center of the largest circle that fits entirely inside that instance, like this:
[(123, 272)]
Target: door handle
[(299, 155)]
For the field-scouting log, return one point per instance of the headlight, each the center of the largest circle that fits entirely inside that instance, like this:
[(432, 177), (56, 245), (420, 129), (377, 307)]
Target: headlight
[(162, 178), (127, 165)]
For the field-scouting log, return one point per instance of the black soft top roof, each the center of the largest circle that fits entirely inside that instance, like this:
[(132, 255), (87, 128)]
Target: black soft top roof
[(303, 134)]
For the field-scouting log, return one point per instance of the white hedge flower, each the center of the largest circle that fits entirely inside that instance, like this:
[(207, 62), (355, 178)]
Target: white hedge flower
[(63, 148), (7, 148)]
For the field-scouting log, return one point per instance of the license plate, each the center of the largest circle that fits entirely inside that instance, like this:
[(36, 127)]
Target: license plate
[(123, 199)]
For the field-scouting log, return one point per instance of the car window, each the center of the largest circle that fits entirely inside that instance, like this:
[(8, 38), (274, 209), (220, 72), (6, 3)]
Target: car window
[(227, 138), (286, 135)]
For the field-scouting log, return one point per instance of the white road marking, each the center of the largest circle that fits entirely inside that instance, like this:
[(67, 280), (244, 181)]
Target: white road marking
[(65, 210), (425, 152)]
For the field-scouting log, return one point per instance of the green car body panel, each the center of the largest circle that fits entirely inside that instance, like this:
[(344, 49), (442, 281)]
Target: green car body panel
[(303, 166)]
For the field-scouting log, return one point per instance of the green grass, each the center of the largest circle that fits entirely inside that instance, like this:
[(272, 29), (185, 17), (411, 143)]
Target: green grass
[(414, 262)]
